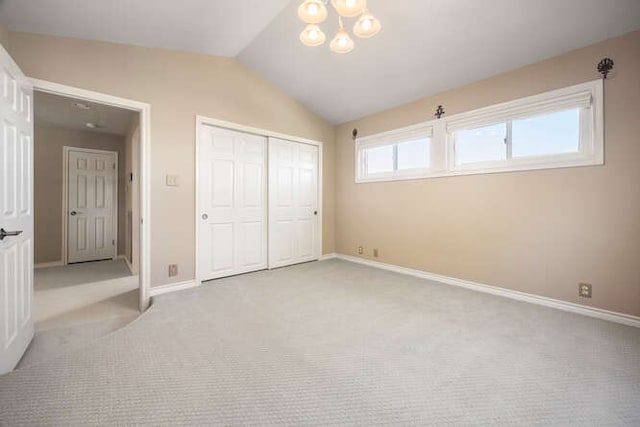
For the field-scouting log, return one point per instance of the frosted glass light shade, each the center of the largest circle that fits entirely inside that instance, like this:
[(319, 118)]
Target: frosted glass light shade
[(312, 11), (312, 35), (349, 8), (367, 26), (342, 43)]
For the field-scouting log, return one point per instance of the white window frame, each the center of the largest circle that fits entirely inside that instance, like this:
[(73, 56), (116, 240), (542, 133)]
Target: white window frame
[(393, 138), (587, 96)]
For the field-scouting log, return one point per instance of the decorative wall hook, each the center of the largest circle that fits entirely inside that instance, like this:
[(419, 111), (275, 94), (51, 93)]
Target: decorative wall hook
[(439, 111), (354, 134), (605, 66)]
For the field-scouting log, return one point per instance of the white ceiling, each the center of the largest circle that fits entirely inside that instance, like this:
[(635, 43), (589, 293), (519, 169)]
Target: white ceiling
[(425, 46), (215, 27), (59, 111)]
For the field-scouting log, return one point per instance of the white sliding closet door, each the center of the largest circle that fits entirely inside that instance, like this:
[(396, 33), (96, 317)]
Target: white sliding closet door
[(232, 231), (293, 203)]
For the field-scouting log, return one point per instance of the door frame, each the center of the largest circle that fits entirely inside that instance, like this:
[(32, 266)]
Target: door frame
[(202, 121), (144, 168), (65, 199)]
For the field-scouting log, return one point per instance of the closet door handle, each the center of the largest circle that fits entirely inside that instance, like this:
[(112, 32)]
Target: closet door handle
[(315, 212)]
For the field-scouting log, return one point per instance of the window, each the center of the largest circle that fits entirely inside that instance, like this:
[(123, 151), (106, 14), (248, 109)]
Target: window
[(541, 135), (561, 128), (554, 133), (400, 153), (483, 144), (379, 159), (413, 154)]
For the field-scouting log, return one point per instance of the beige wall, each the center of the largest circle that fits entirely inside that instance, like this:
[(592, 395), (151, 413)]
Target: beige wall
[(178, 86), (48, 182), (540, 232)]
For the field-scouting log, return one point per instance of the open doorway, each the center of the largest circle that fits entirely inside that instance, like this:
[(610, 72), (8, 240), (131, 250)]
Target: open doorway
[(88, 205)]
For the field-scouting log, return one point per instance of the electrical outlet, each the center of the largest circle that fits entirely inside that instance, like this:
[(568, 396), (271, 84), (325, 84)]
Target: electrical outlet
[(173, 270), (375, 253), (360, 250), (173, 181), (584, 290)]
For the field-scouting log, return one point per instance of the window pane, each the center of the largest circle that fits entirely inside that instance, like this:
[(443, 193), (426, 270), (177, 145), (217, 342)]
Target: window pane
[(549, 134), (379, 159), (414, 154), (481, 144)]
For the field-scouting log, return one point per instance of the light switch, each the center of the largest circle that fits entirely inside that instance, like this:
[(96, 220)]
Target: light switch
[(173, 181)]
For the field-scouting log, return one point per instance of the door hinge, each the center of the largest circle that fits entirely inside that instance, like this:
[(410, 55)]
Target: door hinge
[(113, 242), (114, 166)]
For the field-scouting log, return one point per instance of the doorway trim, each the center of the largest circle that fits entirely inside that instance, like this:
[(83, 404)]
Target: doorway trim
[(65, 199), (208, 121), (144, 168)]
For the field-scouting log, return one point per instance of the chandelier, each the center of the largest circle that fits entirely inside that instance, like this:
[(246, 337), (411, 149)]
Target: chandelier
[(314, 12)]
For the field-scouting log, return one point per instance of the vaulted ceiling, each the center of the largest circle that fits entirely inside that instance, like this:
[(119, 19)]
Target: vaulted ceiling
[(425, 46)]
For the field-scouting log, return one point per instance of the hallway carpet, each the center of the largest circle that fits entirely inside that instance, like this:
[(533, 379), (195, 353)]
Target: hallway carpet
[(335, 343), (77, 303)]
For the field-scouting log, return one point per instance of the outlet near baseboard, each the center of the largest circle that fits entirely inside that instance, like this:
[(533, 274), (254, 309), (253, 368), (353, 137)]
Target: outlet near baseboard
[(173, 270), (584, 290)]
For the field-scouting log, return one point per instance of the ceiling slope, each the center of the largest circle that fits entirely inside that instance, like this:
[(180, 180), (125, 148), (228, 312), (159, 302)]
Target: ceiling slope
[(214, 27), (428, 46), (425, 46)]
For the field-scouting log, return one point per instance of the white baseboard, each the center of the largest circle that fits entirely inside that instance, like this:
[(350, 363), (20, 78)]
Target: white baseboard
[(128, 263), (172, 287), (49, 264), (598, 313), (328, 256)]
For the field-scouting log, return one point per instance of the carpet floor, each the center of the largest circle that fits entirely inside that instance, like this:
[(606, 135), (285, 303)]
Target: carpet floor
[(75, 304), (335, 343)]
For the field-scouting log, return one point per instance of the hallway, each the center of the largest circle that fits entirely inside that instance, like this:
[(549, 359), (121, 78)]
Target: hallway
[(78, 303)]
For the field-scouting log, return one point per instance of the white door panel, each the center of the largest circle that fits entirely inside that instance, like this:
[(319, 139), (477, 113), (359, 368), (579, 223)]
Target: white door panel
[(305, 238), (222, 243), (16, 213), (91, 204), (293, 203), (233, 203)]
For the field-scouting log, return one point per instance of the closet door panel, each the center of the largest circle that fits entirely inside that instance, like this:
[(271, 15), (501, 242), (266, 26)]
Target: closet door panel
[(293, 202), (232, 229)]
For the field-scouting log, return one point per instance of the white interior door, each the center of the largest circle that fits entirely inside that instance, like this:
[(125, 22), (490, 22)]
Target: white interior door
[(232, 230), (16, 213), (91, 204), (293, 203)]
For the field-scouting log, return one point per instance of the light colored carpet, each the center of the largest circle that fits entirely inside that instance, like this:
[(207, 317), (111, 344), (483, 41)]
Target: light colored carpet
[(76, 304), (334, 343), (62, 290)]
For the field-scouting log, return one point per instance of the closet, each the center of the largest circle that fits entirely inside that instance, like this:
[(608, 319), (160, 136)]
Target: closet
[(293, 202), (258, 202)]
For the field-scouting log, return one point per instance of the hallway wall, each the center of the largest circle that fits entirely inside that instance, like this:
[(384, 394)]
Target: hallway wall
[(49, 141)]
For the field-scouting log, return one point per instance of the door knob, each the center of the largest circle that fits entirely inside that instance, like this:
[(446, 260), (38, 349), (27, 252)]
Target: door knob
[(4, 233), (74, 213), (205, 216), (315, 212)]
